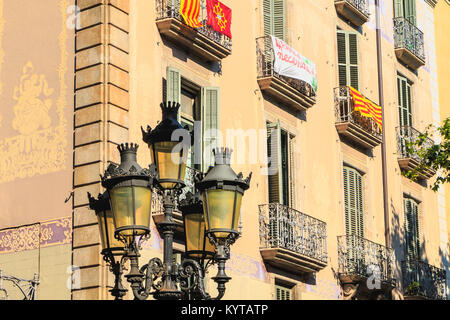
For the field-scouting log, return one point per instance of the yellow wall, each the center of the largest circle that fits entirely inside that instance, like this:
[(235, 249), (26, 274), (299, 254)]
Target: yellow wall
[(319, 151), (442, 23)]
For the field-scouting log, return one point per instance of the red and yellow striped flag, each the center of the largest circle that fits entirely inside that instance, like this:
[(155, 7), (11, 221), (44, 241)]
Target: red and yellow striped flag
[(190, 11), (366, 107)]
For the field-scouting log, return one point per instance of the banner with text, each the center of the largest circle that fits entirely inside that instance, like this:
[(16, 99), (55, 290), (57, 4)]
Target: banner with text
[(290, 63)]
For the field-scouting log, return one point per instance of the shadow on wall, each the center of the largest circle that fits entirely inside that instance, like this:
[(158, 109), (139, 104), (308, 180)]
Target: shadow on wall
[(398, 242)]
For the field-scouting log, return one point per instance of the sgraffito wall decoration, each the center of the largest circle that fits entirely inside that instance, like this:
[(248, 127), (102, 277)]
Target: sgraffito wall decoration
[(35, 236), (2, 54), (39, 144)]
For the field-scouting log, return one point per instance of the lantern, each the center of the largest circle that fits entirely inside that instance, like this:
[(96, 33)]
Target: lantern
[(222, 192), (197, 245), (128, 187), (168, 147)]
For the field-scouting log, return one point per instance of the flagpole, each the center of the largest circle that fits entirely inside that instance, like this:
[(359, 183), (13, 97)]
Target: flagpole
[(387, 232)]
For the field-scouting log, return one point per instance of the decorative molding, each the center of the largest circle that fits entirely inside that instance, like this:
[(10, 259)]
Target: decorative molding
[(35, 236)]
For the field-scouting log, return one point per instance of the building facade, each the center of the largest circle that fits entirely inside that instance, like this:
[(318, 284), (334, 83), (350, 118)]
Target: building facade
[(317, 222)]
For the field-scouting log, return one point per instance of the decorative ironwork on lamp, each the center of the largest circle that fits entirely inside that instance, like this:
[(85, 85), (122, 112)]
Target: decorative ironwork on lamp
[(211, 215)]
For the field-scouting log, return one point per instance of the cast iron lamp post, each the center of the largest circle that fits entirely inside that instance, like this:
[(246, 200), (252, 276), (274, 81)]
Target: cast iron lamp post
[(210, 215)]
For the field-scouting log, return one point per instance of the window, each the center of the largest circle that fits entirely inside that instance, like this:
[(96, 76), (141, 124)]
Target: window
[(348, 69), (197, 104), (404, 101), (282, 292), (280, 150), (275, 18), (353, 202), (412, 238), (405, 9)]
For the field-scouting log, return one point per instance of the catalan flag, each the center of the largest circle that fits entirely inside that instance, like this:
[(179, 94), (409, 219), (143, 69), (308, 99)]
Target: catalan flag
[(366, 107), (190, 11)]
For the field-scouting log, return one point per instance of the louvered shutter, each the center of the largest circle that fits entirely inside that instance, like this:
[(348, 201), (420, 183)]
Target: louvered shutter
[(210, 119), (279, 19), (282, 293), (348, 64), (342, 58), (291, 173), (174, 87), (398, 8), (410, 11), (274, 12), (353, 202), (412, 229), (354, 217), (274, 158), (404, 99)]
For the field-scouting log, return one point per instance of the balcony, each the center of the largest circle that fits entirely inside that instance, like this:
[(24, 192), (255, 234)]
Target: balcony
[(158, 210), (351, 124), (203, 42), (293, 93), (291, 240), (365, 266), (406, 160), (409, 46), (355, 11), (423, 281)]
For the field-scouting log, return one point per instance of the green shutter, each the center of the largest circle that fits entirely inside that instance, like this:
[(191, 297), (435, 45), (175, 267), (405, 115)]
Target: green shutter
[(398, 8), (412, 238), (410, 11), (274, 14), (279, 18), (274, 155), (406, 9), (348, 61), (282, 293), (291, 173), (268, 17), (210, 98), (404, 99), (353, 202), (173, 86)]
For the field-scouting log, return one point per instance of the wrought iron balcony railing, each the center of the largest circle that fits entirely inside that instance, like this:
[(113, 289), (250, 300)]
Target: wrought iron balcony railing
[(287, 228), (171, 9), (361, 5), (361, 258), (265, 57), (408, 36), (345, 112), (423, 280), (406, 135)]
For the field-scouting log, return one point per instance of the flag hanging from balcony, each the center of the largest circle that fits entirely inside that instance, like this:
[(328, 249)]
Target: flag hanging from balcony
[(289, 63), (366, 107), (219, 17), (190, 11)]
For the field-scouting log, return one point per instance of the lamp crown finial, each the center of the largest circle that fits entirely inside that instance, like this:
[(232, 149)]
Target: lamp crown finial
[(222, 155), (128, 147), (170, 108)]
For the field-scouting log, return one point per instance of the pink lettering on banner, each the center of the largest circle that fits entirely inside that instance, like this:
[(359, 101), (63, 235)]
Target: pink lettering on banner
[(288, 62)]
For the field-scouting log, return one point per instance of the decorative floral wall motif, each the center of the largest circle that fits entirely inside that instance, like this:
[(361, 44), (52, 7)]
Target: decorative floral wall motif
[(39, 235), (40, 147)]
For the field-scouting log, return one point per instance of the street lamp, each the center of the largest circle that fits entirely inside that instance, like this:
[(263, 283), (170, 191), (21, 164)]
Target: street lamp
[(211, 213), (128, 187), (168, 154), (222, 190), (113, 250)]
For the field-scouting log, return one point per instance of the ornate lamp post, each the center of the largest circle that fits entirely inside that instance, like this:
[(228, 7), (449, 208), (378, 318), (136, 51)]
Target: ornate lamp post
[(210, 216)]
